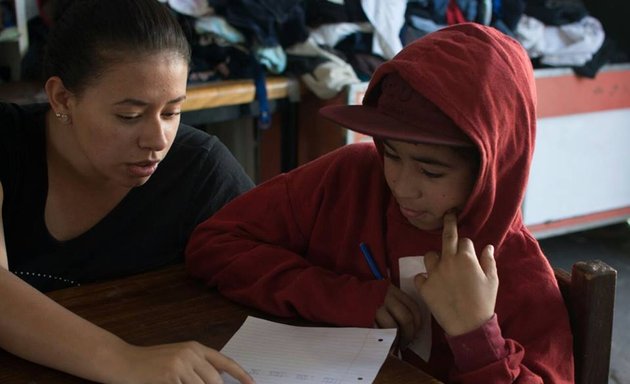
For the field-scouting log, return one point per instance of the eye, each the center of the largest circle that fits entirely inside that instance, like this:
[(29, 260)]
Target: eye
[(171, 115), (390, 155), (431, 175), (128, 117)]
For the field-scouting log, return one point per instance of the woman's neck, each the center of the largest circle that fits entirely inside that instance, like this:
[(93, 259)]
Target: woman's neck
[(77, 196)]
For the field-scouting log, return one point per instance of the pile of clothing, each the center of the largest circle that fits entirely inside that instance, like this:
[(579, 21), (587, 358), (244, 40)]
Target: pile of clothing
[(561, 33), (330, 44)]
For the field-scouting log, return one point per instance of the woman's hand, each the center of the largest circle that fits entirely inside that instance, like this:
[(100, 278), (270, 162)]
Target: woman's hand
[(459, 289), (402, 312), (181, 363)]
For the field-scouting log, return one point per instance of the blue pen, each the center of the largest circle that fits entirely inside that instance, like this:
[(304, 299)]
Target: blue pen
[(370, 260)]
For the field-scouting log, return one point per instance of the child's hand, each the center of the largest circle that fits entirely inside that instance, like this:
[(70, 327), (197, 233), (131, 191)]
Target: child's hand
[(459, 289), (188, 362), (402, 312)]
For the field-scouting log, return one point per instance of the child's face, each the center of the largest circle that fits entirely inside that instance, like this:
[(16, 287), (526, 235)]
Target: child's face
[(427, 180)]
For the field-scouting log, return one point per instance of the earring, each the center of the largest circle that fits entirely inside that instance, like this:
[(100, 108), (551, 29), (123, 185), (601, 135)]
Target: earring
[(63, 117)]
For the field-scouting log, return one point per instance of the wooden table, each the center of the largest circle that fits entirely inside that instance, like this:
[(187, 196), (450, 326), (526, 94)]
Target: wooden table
[(162, 307)]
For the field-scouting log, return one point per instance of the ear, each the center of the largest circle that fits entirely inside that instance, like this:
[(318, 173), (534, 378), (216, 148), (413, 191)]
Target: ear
[(59, 96)]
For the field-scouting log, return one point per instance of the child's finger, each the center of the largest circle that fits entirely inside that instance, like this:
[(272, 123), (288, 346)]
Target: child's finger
[(419, 281), (412, 308), (431, 260), (384, 319), (487, 262), (449, 235)]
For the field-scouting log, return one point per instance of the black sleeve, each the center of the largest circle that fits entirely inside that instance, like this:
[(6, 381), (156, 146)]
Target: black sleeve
[(222, 178), (218, 176)]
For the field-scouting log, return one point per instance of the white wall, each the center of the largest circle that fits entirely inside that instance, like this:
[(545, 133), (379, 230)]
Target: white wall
[(581, 165)]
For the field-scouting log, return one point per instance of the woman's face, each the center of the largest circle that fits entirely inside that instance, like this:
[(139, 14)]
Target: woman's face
[(427, 181), (124, 123)]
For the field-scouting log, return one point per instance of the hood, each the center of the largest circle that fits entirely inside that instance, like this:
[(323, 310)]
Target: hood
[(483, 80)]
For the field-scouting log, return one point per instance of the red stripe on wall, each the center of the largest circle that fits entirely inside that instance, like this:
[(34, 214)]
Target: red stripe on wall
[(581, 220), (569, 94)]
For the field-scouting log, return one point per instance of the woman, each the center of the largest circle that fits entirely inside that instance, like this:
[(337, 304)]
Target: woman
[(104, 182)]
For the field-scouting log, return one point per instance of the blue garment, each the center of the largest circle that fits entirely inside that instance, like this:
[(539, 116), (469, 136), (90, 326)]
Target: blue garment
[(469, 9), (267, 22), (510, 12)]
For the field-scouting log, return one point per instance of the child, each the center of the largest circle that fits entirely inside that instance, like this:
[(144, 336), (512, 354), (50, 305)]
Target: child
[(453, 119), (103, 182)]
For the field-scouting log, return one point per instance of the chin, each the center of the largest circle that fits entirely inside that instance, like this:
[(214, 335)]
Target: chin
[(426, 226), (140, 182), (426, 222), (133, 182)]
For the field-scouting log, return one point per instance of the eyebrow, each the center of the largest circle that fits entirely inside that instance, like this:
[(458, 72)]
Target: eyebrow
[(422, 159), (140, 103)]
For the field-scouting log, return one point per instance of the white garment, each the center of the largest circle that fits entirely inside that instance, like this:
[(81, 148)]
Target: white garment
[(566, 45), (329, 78), (485, 17), (388, 18), (331, 34)]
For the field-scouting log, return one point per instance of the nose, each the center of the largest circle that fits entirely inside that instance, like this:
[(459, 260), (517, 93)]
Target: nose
[(153, 135)]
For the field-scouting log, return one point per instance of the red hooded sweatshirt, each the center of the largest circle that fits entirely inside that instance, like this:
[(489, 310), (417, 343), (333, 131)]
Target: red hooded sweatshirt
[(290, 247)]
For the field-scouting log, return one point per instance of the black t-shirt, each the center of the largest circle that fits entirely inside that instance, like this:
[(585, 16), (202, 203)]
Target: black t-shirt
[(148, 229)]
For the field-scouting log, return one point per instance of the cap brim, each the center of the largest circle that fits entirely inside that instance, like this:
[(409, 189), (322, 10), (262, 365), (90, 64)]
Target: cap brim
[(368, 120)]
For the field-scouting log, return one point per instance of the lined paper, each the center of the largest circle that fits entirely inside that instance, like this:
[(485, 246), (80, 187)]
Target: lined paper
[(275, 353)]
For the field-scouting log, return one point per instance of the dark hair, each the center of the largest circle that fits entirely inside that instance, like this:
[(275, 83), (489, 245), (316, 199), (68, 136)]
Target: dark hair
[(90, 35)]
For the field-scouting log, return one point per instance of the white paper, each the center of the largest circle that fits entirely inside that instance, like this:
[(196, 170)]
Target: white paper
[(409, 267), (275, 353)]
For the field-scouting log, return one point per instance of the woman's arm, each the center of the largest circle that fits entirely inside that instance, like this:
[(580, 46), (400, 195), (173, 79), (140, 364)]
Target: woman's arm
[(36, 328)]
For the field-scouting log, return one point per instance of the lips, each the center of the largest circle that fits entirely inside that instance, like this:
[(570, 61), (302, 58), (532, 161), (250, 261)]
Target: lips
[(142, 168), (410, 213)]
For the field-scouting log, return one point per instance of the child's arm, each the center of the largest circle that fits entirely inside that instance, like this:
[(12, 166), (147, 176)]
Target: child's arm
[(290, 246), (36, 328)]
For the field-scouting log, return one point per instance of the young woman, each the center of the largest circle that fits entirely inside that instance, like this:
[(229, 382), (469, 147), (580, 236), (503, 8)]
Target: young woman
[(103, 182)]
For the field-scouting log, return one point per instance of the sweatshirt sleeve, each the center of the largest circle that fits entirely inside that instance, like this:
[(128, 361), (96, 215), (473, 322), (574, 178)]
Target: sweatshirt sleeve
[(529, 339), (483, 354), (258, 251)]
